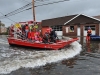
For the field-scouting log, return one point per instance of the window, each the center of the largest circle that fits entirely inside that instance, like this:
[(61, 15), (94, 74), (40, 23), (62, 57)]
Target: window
[(57, 28), (92, 27), (71, 29)]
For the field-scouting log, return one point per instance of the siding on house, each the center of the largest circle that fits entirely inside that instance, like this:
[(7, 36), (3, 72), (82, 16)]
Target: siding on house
[(83, 21), (56, 21), (73, 20), (3, 29)]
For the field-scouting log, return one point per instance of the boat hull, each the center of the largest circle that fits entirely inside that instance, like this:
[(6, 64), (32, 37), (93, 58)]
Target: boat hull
[(53, 46)]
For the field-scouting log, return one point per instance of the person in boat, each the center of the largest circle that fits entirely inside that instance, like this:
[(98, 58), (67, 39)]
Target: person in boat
[(89, 32), (11, 31), (37, 37), (33, 35), (31, 27), (23, 32), (26, 30), (29, 35), (23, 28), (36, 26), (46, 36), (53, 35)]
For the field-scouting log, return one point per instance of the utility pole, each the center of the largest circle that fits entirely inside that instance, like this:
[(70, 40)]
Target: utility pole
[(34, 19)]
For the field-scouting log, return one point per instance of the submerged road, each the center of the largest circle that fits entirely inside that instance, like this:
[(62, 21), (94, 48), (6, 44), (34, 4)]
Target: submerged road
[(71, 60)]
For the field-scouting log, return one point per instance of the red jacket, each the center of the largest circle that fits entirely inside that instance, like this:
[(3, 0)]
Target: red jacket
[(29, 35)]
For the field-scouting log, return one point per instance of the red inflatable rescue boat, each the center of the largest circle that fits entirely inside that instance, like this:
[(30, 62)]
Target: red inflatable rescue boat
[(55, 46), (17, 37)]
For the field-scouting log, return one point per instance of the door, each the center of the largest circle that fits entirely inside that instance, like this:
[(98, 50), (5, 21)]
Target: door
[(78, 31)]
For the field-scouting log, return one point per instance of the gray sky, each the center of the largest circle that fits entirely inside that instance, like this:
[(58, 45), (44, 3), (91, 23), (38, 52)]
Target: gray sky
[(71, 7)]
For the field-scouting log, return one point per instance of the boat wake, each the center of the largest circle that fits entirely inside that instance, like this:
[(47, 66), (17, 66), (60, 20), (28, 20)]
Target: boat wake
[(3, 41), (16, 59)]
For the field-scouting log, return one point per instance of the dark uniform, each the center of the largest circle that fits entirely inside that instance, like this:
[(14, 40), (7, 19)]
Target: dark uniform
[(53, 36)]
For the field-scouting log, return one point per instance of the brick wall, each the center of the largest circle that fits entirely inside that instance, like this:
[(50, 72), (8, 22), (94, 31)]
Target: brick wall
[(81, 29), (65, 33)]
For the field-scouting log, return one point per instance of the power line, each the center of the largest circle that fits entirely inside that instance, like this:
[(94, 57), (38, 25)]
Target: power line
[(26, 6), (8, 18), (40, 0), (16, 11), (52, 3), (25, 1), (48, 4)]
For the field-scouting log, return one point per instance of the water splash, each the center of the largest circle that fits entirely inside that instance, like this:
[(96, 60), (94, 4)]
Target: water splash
[(3, 41), (31, 59)]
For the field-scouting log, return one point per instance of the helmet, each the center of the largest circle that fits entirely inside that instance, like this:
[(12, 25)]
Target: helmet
[(89, 28)]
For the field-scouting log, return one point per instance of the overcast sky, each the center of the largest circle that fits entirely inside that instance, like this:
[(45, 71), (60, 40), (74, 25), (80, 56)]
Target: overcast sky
[(71, 7)]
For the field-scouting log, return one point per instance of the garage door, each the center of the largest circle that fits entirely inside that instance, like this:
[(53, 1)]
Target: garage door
[(58, 29), (59, 33)]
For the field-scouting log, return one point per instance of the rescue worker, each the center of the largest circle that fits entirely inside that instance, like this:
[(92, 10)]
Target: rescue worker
[(26, 30), (36, 26), (31, 27), (23, 28), (53, 36), (46, 37), (37, 37), (29, 35), (33, 35), (89, 32)]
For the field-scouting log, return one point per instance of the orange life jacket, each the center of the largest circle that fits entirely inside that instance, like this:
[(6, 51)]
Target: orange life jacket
[(29, 35), (89, 31)]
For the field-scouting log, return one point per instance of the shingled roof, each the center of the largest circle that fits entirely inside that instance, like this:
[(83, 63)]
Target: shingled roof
[(56, 21), (82, 18)]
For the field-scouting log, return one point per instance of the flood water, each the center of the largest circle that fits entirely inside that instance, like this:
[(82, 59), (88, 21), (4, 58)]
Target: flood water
[(80, 58)]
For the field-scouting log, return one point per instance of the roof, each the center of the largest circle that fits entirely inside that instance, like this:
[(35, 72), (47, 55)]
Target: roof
[(98, 17), (56, 21), (67, 20), (81, 15)]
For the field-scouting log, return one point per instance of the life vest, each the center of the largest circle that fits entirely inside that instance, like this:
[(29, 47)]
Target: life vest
[(36, 36), (36, 26), (29, 35), (32, 34), (30, 27)]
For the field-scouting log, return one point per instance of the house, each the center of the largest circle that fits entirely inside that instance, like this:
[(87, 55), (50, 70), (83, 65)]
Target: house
[(73, 25), (3, 29)]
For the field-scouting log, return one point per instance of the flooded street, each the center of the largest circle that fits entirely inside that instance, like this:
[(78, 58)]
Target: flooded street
[(73, 60)]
